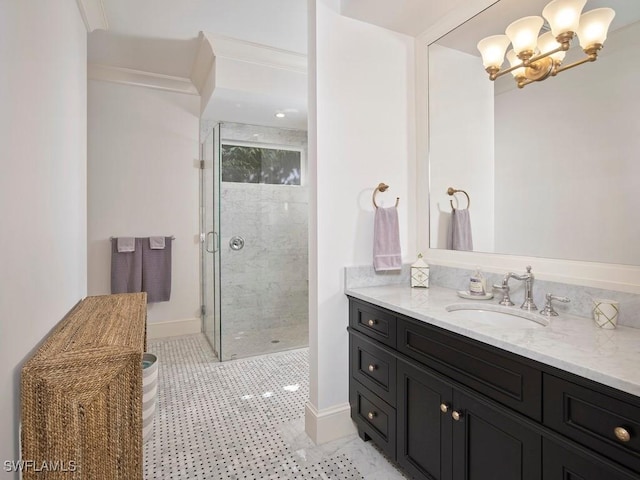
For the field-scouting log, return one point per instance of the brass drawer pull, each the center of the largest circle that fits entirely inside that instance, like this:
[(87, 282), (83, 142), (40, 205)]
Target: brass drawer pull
[(373, 367), (444, 407), (371, 415), (456, 415), (372, 322), (622, 434)]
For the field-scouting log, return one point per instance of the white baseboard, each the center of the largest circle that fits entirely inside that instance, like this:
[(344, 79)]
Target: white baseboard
[(174, 328), (328, 424)]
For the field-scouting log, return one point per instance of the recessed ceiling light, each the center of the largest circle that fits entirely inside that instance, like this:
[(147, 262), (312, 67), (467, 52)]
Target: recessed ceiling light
[(280, 114)]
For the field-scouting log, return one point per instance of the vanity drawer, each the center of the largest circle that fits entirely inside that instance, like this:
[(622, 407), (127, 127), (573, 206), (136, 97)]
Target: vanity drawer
[(591, 417), (374, 322), (374, 417), (497, 374), (373, 367)]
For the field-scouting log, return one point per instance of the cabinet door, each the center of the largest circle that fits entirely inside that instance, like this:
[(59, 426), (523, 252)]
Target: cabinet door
[(491, 443), (423, 424), (562, 463), (593, 418)]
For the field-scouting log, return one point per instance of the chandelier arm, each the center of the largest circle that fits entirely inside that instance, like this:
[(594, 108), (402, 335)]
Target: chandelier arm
[(563, 47), (592, 57), (500, 73), (546, 54)]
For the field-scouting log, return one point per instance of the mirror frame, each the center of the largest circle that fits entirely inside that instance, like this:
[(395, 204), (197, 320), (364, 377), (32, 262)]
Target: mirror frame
[(623, 278)]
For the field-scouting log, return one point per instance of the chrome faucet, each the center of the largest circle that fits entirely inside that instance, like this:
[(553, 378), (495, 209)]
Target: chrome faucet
[(504, 288), (527, 278)]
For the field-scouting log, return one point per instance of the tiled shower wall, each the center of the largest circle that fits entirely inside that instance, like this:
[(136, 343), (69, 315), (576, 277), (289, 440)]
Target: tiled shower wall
[(266, 283)]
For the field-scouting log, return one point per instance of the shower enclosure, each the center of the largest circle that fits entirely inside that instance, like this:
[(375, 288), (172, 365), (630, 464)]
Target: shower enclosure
[(254, 237)]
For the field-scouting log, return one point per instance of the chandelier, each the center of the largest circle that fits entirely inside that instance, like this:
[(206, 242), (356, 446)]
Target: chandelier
[(534, 58)]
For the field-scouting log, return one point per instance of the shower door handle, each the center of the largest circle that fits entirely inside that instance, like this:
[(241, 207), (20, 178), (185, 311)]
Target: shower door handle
[(215, 243)]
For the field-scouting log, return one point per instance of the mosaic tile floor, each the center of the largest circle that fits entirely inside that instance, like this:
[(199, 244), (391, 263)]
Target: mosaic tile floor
[(245, 343), (243, 419)]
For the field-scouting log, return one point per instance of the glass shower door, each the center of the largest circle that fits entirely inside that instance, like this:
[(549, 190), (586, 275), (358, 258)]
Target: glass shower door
[(263, 240), (210, 240)]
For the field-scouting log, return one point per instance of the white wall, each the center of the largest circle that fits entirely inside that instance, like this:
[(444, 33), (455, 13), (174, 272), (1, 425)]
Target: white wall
[(143, 181), (581, 165), (461, 147), (361, 89), (42, 185)]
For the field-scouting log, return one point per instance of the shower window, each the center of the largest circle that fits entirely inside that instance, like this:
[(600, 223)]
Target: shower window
[(251, 164)]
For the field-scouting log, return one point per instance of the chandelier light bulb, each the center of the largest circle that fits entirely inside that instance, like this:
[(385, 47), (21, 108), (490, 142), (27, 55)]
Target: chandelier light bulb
[(547, 42), (513, 61), (594, 26), (492, 50), (523, 34), (563, 15)]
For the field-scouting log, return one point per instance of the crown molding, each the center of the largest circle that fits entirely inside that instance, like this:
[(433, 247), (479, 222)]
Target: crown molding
[(127, 76), (226, 47), (204, 63), (453, 19), (93, 15)]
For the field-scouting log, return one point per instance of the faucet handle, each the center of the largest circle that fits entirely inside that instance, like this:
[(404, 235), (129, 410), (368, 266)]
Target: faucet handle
[(504, 288), (548, 309)]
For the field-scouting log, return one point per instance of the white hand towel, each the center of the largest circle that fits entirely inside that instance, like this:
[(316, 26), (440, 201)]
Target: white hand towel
[(126, 244), (386, 240), (156, 243)]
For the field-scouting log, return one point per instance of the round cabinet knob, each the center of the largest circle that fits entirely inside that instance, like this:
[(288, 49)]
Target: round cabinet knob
[(444, 407), (372, 322), (456, 415), (373, 367), (371, 415), (622, 434)]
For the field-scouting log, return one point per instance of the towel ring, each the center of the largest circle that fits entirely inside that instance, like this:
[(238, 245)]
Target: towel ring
[(451, 191), (382, 187)]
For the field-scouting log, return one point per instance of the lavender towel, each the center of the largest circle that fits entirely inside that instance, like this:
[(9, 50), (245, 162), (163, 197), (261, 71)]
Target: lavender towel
[(126, 268), (386, 240), (459, 234), (156, 271)]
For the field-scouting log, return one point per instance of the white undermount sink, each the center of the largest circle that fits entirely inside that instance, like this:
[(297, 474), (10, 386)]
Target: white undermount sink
[(496, 315)]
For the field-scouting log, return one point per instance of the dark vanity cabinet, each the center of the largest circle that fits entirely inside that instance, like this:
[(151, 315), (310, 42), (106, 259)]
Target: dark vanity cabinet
[(444, 433), (446, 407)]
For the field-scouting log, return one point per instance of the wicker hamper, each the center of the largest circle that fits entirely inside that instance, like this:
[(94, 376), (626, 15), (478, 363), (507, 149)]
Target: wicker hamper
[(82, 393)]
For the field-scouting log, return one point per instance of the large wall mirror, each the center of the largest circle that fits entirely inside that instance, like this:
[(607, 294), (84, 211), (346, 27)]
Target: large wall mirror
[(552, 170)]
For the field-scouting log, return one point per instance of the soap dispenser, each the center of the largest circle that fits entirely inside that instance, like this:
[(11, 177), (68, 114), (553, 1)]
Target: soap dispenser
[(477, 283)]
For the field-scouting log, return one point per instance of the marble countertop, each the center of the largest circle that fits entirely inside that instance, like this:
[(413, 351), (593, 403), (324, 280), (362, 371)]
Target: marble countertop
[(574, 344)]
